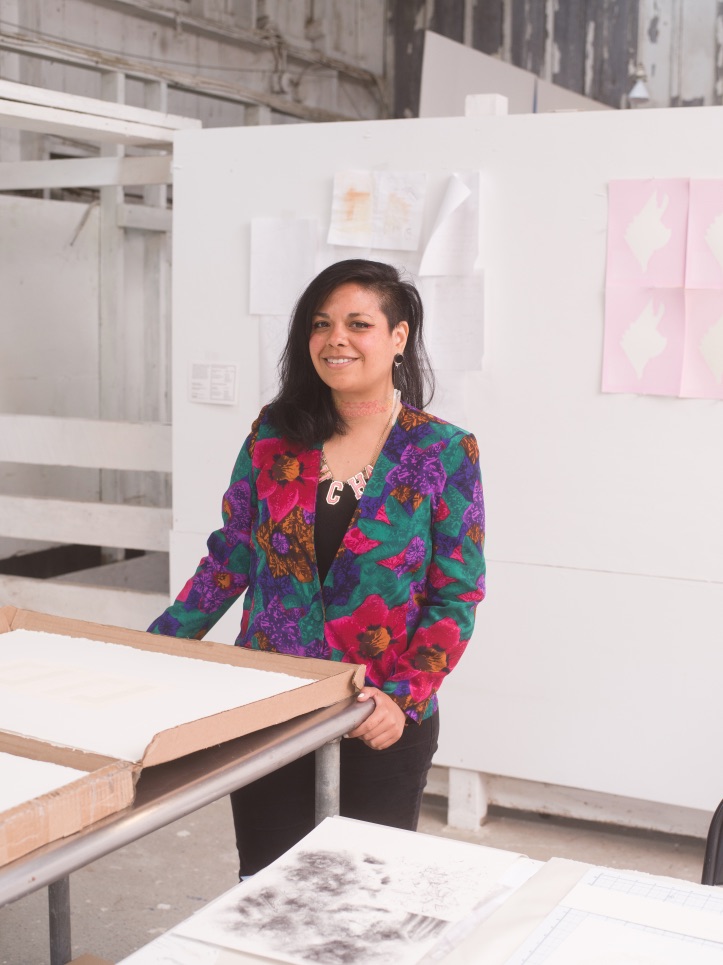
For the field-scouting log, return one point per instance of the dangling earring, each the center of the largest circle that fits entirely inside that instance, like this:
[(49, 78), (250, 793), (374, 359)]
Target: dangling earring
[(397, 362)]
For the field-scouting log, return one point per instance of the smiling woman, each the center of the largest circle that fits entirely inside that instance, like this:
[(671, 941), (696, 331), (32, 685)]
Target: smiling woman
[(355, 519)]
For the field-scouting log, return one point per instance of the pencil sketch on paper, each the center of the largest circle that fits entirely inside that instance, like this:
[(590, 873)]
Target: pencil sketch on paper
[(327, 907)]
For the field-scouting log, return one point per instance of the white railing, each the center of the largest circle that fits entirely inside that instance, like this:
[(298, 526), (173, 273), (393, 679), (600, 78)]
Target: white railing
[(48, 441)]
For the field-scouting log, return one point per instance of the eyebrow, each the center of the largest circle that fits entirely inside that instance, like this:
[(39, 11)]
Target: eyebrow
[(350, 315)]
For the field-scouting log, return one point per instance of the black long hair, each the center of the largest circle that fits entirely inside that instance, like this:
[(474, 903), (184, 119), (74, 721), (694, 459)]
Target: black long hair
[(303, 410)]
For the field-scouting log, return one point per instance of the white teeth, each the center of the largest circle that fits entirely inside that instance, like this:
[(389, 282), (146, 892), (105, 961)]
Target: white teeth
[(338, 361)]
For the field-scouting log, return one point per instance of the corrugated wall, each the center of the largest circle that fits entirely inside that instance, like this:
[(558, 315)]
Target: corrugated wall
[(588, 46)]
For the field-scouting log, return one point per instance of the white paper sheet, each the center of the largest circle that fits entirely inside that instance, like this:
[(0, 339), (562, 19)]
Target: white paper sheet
[(373, 894), (171, 949), (111, 699), (377, 209), (351, 209), (602, 941), (454, 321), (283, 259), (22, 780), (213, 382), (454, 241), (397, 210), (629, 917), (273, 333)]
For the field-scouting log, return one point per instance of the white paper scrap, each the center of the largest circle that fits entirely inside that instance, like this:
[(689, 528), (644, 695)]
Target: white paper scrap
[(454, 241), (283, 258), (113, 699), (22, 779)]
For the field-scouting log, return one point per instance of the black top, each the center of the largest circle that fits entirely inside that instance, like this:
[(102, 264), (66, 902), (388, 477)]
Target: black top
[(332, 522)]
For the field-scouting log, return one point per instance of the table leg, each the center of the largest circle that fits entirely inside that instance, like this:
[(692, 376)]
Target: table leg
[(327, 780), (59, 921)]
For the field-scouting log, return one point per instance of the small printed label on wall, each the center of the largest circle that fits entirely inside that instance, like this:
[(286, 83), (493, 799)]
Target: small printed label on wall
[(215, 382)]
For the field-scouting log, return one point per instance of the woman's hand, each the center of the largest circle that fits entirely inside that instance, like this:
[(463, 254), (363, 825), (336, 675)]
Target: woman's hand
[(384, 726)]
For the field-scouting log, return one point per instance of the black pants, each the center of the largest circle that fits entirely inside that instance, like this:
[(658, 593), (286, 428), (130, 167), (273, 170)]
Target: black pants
[(384, 787)]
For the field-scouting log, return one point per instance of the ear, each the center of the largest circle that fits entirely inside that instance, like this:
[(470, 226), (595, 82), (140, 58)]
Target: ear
[(400, 335)]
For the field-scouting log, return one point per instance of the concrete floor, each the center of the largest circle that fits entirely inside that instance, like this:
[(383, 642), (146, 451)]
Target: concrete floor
[(122, 901)]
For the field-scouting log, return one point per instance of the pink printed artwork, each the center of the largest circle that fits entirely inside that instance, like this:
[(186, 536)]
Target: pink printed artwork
[(644, 340), (704, 262), (647, 233), (702, 376)]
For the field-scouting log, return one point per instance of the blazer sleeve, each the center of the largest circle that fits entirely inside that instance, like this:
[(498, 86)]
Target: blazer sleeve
[(223, 574), (455, 584)]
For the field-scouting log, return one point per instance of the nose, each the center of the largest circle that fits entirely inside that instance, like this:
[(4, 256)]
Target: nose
[(337, 335)]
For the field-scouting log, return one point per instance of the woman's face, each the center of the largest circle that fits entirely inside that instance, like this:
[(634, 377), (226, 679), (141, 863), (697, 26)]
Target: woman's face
[(351, 346)]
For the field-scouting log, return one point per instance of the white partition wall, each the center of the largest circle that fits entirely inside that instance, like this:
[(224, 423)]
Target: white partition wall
[(597, 658)]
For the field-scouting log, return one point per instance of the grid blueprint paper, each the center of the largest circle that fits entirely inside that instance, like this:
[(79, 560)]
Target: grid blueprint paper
[(629, 918)]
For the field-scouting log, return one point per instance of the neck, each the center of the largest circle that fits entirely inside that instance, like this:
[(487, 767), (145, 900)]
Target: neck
[(352, 410)]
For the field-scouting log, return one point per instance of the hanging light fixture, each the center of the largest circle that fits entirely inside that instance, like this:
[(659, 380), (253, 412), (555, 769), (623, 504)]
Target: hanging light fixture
[(639, 93)]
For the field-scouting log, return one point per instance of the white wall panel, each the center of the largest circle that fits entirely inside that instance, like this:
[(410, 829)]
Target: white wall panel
[(591, 680), (604, 514), (49, 284)]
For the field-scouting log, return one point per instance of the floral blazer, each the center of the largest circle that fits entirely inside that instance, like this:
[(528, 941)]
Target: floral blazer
[(400, 595)]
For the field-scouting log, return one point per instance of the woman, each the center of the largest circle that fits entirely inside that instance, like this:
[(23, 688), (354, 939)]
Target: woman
[(355, 522)]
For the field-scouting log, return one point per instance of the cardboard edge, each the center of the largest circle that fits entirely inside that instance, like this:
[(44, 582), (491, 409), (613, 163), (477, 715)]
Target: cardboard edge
[(297, 666), (240, 721), (7, 615), (66, 810), (41, 750)]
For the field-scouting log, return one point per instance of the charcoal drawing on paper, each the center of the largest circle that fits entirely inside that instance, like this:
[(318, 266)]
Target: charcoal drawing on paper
[(327, 907)]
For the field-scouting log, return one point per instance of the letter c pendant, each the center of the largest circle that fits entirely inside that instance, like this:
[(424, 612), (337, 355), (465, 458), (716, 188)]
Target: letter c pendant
[(335, 487)]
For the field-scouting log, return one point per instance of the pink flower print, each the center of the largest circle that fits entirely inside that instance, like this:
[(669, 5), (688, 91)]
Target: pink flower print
[(368, 633), (435, 647), (287, 476)]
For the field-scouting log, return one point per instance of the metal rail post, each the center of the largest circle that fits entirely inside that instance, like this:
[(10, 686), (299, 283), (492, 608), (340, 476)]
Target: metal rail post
[(59, 921), (327, 780)]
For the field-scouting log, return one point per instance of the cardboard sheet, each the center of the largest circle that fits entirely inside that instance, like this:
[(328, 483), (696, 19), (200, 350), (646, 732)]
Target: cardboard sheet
[(53, 806), (41, 693)]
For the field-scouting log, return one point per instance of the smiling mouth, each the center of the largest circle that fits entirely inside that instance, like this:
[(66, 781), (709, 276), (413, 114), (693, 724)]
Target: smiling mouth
[(339, 361)]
